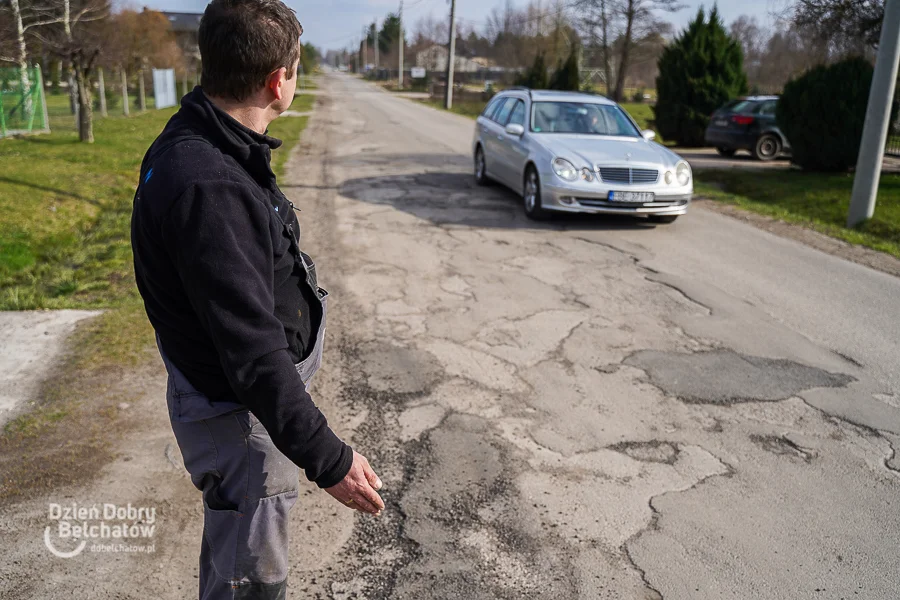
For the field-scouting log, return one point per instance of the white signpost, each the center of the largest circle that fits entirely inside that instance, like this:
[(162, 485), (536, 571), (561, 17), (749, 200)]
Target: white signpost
[(164, 90), (417, 72)]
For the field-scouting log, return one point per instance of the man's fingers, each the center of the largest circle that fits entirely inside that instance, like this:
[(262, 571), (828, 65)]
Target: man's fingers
[(373, 497), (371, 477), (362, 504)]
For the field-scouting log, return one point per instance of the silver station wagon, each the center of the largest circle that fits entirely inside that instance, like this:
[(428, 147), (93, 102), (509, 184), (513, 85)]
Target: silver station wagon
[(577, 153)]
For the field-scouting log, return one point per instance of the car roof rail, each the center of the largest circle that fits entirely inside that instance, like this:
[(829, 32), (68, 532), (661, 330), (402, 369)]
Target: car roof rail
[(520, 88)]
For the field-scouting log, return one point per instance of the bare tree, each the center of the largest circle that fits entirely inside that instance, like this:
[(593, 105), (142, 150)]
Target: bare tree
[(638, 18), (598, 27), (27, 16), (842, 22), (752, 38)]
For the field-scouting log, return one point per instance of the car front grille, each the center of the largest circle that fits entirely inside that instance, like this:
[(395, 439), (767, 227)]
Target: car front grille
[(657, 203), (628, 175)]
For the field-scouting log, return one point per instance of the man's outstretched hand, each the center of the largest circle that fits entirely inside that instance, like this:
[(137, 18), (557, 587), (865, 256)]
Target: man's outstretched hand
[(357, 489)]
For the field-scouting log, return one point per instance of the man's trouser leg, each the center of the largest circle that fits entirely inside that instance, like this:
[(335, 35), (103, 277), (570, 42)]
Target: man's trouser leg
[(248, 488)]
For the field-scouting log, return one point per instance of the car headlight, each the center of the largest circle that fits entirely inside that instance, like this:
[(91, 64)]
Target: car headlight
[(683, 173), (670, 177), (564, 169), (587, 175)]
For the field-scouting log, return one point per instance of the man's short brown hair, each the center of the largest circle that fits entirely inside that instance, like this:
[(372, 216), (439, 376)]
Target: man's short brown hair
[(242, 41)]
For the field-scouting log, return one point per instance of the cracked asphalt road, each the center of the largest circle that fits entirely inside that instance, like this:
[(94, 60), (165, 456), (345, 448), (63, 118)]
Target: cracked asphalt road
[(594, 408), (588, 408)]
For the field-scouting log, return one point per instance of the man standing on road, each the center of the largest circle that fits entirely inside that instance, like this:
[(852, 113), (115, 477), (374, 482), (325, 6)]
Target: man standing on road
[(238, 314)]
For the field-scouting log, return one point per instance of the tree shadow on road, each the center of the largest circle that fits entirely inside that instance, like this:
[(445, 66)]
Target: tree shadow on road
[(441, 189)]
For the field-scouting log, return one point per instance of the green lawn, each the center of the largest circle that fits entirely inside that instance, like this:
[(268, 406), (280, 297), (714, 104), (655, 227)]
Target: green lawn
[(816, 200), (65, 211), (303, 102)]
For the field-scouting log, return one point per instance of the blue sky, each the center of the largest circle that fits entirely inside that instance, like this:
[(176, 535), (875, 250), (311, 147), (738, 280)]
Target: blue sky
[(335, 23)]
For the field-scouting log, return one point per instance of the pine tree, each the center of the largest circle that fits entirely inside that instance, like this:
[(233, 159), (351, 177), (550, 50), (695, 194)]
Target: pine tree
[(701, 70), (535, 77), (567, 77)]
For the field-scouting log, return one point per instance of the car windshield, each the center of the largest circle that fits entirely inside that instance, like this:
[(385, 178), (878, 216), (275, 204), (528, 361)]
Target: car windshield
[(581, 117)]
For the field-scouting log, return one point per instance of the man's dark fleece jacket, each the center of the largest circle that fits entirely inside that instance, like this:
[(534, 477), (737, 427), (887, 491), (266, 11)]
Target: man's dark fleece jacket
[(220, 278)]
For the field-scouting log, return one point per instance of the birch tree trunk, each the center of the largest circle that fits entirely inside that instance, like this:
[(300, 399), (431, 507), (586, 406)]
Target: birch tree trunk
[(22, 55)]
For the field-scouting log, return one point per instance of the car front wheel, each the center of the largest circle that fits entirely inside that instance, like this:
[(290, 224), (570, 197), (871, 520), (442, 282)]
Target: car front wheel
[(663, 219), (768, 147), (481, 177), (532, 195)]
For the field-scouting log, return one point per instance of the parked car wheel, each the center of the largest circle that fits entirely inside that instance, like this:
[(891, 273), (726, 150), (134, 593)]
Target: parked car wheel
[(481, 177), (532, 195), (768, 147), (663, 219), (726, 152)]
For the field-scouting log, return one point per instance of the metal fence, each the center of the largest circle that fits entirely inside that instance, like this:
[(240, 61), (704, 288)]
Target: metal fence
[(893, 143), (23, 106)]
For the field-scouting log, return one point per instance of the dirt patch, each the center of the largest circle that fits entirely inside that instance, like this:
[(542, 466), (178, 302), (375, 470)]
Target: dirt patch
[(857, 254), (32, 344)]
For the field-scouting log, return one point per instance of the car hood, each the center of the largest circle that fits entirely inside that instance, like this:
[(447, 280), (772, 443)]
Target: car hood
[(593, 151)]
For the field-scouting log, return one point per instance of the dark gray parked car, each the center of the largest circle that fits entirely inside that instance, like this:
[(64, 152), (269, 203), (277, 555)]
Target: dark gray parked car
[(748, 124)]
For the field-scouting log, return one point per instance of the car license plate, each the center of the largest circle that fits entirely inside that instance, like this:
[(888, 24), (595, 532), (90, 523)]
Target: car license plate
[(633, 197), (721, 122)]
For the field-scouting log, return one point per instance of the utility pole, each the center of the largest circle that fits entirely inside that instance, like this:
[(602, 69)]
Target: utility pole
[(375, 30), (400, 74), (878, 117), (359, 59), (451, 57)]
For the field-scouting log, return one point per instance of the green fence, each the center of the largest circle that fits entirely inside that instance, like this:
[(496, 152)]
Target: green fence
[(23, 106)]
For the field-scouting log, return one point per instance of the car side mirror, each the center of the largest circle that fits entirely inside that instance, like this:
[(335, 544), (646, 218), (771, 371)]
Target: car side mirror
[(515, 129), (648, 134)]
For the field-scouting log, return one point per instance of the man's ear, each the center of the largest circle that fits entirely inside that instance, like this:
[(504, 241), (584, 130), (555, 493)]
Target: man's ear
[(275, 82)]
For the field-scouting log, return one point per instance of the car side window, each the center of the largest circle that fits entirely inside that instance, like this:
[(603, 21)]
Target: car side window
[(517, 115), (491, 108), (502, 114), (768, 108)]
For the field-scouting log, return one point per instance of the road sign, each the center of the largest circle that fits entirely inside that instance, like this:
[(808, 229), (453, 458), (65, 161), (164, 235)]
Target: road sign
[(417, 72)]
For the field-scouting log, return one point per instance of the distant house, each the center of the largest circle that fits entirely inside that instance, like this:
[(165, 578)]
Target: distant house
[(186, 27), (434, 58)]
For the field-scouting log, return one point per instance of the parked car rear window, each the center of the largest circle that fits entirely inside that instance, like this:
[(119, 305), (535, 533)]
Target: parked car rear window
[(744, 106), (581, 117)]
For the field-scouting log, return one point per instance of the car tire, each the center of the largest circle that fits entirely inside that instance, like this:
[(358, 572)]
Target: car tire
[(768, 147), (726, 152), (663, 219), (531, 195), (481, 177)]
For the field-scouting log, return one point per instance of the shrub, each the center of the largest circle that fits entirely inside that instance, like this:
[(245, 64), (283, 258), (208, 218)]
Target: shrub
[(822, 114), (638, 97), (701, 70)]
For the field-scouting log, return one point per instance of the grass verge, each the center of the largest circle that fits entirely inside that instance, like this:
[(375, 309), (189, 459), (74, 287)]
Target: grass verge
[(815, 200), (65, 211)]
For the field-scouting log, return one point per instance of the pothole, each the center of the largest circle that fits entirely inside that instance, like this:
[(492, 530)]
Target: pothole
[(653, 451), (728, 377)]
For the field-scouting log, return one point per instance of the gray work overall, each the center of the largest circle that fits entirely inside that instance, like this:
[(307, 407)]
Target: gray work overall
[(248, 485)]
